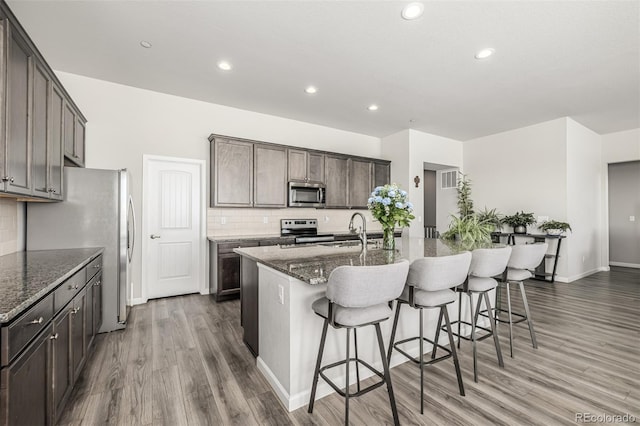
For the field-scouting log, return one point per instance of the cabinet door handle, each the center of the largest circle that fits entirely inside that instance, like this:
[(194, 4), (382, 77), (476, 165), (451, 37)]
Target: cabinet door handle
[(97, 266), (36, 321), (75, 311), (97, 284), (8, 178), (54, 337), (154, 236), (73, 286)]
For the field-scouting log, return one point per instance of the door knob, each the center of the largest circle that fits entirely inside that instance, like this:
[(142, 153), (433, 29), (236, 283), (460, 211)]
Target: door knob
[(154, 236)]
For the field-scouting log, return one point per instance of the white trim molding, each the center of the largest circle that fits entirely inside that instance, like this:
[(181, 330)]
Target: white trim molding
[(625, 265)]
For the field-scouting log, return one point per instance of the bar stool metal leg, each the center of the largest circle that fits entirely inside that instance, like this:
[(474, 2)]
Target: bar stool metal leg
[(318, 365), (387, 376), (393, 331), (346, 385), (510, 320), (473, 334), (437, 337), (421, 355), (493, 329), (454, 353), (529, 320), (460, 315), (355, 344)]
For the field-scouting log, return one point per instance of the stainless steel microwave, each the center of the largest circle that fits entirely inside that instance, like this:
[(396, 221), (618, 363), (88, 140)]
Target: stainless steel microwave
[(305, 194)]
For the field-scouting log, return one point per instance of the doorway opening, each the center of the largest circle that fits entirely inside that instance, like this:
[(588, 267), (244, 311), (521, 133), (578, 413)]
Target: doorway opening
[(440, 183)]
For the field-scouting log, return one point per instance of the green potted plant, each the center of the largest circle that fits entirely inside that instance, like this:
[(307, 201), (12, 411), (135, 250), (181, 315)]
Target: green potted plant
[(554, 227), (468, 230), (492, 217), (520, 221)]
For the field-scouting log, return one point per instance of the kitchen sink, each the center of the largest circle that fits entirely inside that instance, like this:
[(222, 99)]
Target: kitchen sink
[(377, 243)]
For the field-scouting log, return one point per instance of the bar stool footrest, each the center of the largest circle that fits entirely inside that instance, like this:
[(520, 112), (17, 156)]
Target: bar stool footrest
[(362, 391), (416, 360), (519, 320), (468, 338)]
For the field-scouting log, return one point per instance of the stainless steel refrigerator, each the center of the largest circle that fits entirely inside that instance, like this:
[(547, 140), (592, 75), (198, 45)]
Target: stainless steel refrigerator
[(97, 211)]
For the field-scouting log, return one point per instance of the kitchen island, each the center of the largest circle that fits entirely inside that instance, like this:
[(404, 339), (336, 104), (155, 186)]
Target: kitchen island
[(290, 279)]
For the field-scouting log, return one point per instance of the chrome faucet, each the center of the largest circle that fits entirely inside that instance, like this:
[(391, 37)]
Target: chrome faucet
[(362, 231)]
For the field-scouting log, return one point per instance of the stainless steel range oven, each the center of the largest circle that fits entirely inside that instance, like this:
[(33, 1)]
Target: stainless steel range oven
[(304, 230)]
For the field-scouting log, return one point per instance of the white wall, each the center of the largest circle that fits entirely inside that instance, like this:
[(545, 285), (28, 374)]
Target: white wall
[(425, 147), (124, 123), (522, 169), (584, 200), (409, 150), (621, 146)]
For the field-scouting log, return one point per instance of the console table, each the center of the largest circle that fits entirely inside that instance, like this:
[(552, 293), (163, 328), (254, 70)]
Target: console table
[(540, 273)]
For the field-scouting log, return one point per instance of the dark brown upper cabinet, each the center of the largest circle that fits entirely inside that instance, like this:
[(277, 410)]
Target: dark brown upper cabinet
[(306, 166), (37, 117), (360, 182)]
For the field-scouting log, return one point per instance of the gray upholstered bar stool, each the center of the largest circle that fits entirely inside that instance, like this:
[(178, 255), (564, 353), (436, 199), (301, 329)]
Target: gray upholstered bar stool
[(523, 258), (358, 296), (429, 287), (485, 264)]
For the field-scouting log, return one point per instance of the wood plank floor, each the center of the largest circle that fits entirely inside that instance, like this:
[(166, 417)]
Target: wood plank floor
[(181, 361)]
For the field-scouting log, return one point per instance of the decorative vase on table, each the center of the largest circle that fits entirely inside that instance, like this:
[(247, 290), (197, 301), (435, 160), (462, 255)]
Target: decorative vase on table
[(388, 239), (389, 205)]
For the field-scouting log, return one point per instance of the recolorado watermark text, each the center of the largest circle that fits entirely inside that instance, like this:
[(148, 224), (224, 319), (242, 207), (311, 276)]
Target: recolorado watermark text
[(605, 418)]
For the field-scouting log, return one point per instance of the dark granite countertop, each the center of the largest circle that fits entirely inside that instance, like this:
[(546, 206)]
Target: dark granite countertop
[(27, 276), (346, 235), (313, 263)]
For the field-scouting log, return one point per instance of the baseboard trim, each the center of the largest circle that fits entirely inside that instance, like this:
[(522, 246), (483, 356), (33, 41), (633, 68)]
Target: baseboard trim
[(138, 301), (625, 265), (585, 274)]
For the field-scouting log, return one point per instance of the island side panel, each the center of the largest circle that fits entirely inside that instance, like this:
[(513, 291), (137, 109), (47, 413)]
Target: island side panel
[(274, 336)]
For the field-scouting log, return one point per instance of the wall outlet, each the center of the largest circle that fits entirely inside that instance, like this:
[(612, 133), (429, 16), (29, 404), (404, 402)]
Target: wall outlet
[(632, 218), (281, 294), (265, 219), (223, 220), (543, 219)]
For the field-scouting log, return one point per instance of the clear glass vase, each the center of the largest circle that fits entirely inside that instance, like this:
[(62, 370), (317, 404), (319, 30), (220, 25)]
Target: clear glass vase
[(388, 241)]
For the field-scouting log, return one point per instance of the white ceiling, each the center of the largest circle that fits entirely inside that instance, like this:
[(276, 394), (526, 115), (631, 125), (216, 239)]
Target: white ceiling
[(553, 58)]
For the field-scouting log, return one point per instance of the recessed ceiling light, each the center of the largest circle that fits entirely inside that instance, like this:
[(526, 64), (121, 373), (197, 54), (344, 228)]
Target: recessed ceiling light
[(412, 10), (311, 90), (224, 65), (372, 107), (145, 44), (484, 53)]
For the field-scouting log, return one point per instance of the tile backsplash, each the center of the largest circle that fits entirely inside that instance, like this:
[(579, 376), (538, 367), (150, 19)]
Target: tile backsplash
[(8, 226), (222, 222)]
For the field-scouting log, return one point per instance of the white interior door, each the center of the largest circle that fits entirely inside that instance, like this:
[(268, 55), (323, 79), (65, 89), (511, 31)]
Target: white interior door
[(172, 221)]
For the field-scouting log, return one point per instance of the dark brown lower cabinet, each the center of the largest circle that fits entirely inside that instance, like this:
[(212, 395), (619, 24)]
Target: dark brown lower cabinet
[(224, 265), (97, 303), (61, 342), (26, 385), (36, 383), (78, 346)]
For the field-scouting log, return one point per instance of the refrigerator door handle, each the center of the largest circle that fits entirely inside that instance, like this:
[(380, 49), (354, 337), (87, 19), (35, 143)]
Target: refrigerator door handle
[(132, 238)]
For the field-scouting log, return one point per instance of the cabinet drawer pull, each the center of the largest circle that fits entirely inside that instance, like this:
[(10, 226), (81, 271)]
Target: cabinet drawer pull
[(97, 266), (75, 311), (54, 337), (73, 286), (36, 321), (97, 284), (8, 178)]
